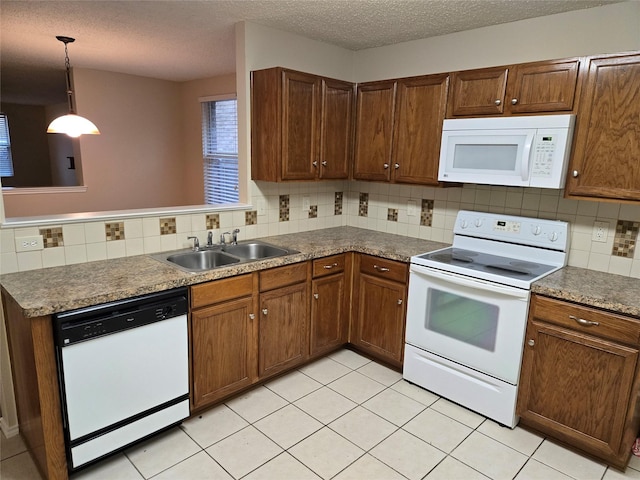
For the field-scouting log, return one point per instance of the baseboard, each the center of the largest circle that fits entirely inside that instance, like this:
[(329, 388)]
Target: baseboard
[(8, 430)]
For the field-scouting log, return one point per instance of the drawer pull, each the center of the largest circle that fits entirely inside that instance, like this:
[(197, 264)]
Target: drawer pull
[(265, 311), (582, 321), (399, 301), (381, 269), (329, 267), (251, 316), (316, 296)]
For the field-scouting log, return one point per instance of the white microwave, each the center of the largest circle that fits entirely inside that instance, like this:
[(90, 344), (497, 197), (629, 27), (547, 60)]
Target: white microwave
[(528, 151)]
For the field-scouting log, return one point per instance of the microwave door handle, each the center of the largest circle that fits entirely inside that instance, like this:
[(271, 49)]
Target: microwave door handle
[(476, 283), (526, 157)]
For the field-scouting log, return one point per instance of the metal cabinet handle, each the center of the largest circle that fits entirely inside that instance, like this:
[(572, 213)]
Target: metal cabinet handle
[(514, 101), (498, 102), (315, 164), (381, 269), (324, 163), (575, 174), (582, 321), (265, 311), (399, 301), (316, 296), (329, 267), (531, 343), (397, 166), (252, 316), (386, 165)]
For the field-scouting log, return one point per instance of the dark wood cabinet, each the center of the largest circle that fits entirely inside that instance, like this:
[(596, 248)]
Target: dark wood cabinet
[(606, 144), (223, 343), (379, 308), (301, 126), (537, 87), (330, 299), (283, 318), (398, 129), (579, 381)]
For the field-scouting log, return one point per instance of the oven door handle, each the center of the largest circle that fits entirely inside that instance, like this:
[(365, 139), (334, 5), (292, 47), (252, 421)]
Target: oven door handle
[(475, 283)]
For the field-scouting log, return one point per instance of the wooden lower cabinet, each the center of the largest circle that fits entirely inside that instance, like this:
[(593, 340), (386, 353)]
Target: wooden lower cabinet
[(283, 319), (379, 308), (579, 381), (223, 340), (330, 297)]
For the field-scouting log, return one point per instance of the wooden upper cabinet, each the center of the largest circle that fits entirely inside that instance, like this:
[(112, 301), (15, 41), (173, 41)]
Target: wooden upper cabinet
[(374, 130), (539, 87), (542, 87), (477, 92), (301, 126), (336, 129), (398, 129), (420, 110), (606, 144)]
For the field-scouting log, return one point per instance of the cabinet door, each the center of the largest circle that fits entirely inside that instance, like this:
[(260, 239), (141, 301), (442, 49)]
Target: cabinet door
[(576, 387), (607, 137), (223, 355), (374, 130), (336, 132), (328, 314), (380, 318), (283, 340), (542, 87), (478, 92), (301, 125), (420, 110)]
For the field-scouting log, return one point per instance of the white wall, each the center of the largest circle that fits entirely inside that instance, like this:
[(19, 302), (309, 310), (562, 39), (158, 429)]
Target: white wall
[(608, 29)]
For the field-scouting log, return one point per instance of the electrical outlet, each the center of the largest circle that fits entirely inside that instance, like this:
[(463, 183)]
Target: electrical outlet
[(412, 208), (262, 207), (27, 244), (306, 203), (600, 231)]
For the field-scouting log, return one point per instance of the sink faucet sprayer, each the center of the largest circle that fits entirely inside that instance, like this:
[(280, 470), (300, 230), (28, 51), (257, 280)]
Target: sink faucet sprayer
[(196, 243)]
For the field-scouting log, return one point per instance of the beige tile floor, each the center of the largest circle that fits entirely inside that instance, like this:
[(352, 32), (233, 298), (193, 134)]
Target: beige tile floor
[(341, 417)]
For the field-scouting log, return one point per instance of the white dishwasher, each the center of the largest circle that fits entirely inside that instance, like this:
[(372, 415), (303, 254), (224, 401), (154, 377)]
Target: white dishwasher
[(123, 369)]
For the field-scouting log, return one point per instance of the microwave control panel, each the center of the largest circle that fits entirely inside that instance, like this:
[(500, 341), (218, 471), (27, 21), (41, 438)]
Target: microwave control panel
[(543, 154)]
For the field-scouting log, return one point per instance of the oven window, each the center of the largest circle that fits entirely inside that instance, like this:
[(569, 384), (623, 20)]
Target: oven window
[(464, 319)]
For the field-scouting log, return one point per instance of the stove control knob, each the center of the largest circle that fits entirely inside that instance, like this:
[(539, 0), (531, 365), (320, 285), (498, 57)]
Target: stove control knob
[(536, 229), (478, 222), (463, 224), (553, 236)]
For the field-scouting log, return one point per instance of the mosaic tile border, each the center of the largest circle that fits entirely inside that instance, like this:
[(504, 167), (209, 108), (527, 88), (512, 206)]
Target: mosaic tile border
[(52, 237), (626, 238), (114, 231)]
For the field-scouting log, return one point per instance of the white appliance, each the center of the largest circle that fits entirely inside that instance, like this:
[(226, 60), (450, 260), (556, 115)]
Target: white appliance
[(124, 372), (467, 308), (528, 151)]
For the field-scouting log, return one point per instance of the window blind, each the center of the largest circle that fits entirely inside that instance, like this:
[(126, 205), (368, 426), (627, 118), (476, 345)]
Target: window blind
[(220, 151), (6, 164)]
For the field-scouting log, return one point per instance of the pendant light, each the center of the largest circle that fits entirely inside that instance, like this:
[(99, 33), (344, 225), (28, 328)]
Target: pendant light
[(72, 124)]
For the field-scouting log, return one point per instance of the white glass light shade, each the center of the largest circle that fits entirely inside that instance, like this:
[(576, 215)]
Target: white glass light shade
[(73, 125)]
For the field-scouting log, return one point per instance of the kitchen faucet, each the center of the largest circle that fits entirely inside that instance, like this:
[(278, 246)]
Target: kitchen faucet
[(209, 239), (196, 243), (235, 236)]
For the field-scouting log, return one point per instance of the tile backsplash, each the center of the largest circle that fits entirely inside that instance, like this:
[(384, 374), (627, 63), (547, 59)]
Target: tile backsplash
[(416, 211)]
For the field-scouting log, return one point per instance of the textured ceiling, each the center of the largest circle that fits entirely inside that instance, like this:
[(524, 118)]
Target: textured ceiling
[(184, 40)]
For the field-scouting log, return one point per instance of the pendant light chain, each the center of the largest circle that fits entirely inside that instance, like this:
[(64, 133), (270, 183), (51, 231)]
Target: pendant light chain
[(67, 65)]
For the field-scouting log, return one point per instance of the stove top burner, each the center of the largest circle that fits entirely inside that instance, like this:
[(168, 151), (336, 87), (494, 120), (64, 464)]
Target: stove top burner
[(500, 266)]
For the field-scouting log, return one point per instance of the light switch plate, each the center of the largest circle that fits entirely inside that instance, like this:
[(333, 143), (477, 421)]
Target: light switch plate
[(306, 203), (262, 207), (412, 208)]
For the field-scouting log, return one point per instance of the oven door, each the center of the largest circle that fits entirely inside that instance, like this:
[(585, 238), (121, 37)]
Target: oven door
[(472, 322)]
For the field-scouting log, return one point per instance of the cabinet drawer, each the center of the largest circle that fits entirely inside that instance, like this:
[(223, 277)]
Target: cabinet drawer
[(221, 290), (383, 268), (283, 276), (328, 265), (609, 325)]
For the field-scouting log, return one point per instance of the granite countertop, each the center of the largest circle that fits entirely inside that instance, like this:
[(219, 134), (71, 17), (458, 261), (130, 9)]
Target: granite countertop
[(52, 290), (597, 289)]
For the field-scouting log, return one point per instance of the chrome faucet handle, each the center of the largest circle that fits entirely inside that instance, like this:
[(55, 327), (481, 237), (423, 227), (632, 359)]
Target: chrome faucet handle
[(209, 239), (223, 240), (235, 236), (196, 243)]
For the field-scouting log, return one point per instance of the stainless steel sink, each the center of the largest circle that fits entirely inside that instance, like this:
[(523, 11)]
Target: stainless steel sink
[(202, 259), (217, 256), (254, 250)]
